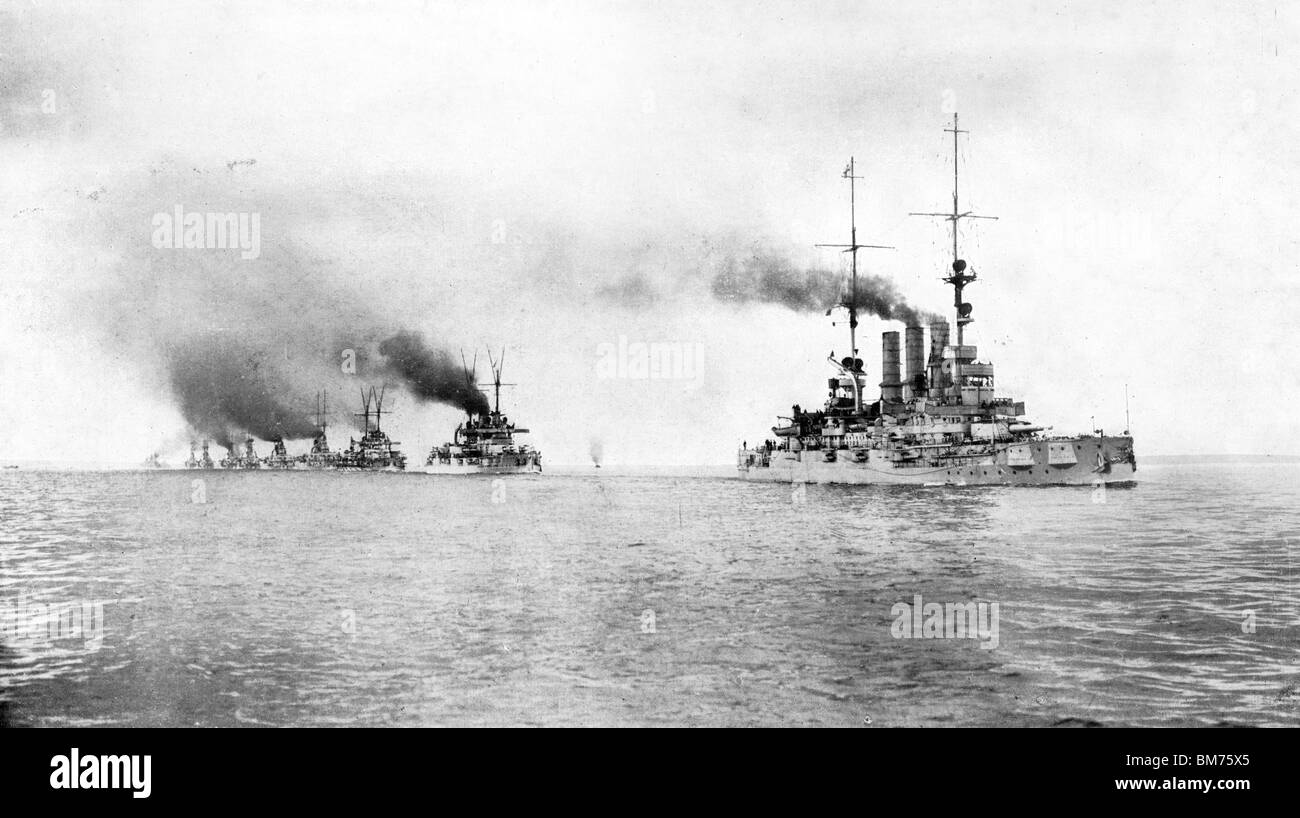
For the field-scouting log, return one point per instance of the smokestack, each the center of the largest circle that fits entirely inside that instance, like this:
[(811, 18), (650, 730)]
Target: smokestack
[(891, 384), (938, 340), (915, 356)]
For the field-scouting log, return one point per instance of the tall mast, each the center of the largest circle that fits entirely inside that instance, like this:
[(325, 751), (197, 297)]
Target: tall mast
[(376, 398), (322, 409), (960, 276), (497, 365), (853, 260), (470, 373), (954, 130), (1128, 428), (365, 401), (851, 303)]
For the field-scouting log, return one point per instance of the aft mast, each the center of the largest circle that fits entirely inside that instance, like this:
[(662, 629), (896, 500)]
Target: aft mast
[(961, 275), (379, 405), (365, 401), (497, 365), (377, 399), (851, 303), (322, 412), (470, 374)]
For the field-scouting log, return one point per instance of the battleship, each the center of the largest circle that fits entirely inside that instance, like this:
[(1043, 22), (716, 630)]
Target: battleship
[(279, 457), (485, 444), (203, 462), (374, 451), (247, 460), (320, 456), (943, 424)]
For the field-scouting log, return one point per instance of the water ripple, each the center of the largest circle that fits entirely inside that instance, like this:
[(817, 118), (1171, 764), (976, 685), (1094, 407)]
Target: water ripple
[(600, 599)]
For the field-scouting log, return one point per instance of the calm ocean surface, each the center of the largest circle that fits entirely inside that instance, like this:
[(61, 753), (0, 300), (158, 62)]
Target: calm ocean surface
[(593, 598)]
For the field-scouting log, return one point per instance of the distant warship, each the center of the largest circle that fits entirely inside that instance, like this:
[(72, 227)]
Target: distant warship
[(374, 450), (248, 460), (204, 462), (485, 444), (320, 456), (942, 424), (279, 457)]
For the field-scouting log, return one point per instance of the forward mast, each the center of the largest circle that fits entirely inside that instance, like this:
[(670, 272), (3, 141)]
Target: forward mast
[(851, 366)]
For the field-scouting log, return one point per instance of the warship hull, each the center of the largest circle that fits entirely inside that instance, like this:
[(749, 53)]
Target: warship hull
[(502, 465), (1081, 461)]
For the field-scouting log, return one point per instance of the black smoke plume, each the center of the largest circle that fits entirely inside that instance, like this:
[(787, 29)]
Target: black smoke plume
[(772, 279), (431, 374), (226, 388), (243, 344)]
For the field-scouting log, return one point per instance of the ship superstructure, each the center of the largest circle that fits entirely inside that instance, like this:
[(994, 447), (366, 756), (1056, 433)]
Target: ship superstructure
[(279, 457), (485, 443), (320, 456), (247, 460), (940, 422), (374, 450)]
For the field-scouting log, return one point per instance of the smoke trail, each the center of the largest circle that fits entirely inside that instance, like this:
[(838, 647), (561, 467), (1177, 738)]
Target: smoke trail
[(431, 375), (633, 290), (771, 279), (226, 388), (596, 450), (241, 345)]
